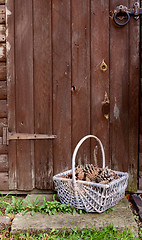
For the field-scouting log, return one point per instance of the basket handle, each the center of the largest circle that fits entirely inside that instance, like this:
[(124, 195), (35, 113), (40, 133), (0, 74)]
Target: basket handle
[(76, 150)]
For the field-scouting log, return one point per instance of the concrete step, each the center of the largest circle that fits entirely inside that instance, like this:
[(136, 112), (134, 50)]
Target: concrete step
[(121, 217)]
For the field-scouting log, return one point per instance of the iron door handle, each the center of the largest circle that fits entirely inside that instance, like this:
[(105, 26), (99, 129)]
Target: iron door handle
[(106, 106), (121, 14)]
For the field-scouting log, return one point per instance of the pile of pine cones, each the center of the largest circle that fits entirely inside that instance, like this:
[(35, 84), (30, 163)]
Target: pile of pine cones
[(93, 173)]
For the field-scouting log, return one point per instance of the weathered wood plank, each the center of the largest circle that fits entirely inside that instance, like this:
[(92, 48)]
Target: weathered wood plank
[(3, 90), (2, 71), (140, 127), (3, 147), (99, 79), (2, 14), (140, 180), (2, 52), (2, 33), (141, 82), (3, 123), (4, 163), (140, 119), (11, 99), (140, 170), (134, 78), (24, 91), (43, 93), (81, 77), (141, 106), (61, 23), (119, 78), (2, 2), (140, 143), (3, 109), (4, 181)]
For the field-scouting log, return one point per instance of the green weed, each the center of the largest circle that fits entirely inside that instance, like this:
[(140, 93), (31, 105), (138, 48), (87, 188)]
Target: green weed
[(136, 217), (140, 232), (15, 206), (55, 206), (3, 202), (109, 210), (50, 207), (107, 233)]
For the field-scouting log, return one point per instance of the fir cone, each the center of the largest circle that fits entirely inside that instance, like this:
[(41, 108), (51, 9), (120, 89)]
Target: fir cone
[(69, 176), (91, 173), (116, 177), (87, 167), (79, 174), (104, 182), (106, 175)]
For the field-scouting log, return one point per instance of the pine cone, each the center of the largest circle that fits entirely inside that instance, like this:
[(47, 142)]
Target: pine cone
[(92, 173), (106, 175), (79, 174), (69, 176), (116, 177), (104, 182), (87, 167)]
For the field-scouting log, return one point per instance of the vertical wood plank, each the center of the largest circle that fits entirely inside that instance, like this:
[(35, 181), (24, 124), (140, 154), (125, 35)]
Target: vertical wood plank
[(134, 83), (3, 90), (3, 148), (3, 109), (10, 45), (140, 171), (61, 84), (99, 79), (2, 33), (3, 163), (81, 77), (2, 52), (2, 14), (24, 91), (140, 114), (4, 181), (43, 93), (119, 95), (3, 70), (2, 1), (3, 123)]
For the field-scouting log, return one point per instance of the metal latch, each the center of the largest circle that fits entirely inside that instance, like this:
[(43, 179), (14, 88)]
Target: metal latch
[(121, 14), (7, 136), (106, 106)]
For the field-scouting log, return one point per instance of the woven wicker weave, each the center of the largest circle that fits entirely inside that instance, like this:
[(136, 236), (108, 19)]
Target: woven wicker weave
[(93, 197)]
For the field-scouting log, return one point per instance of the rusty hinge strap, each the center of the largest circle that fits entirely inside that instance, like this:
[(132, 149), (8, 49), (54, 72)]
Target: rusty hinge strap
[(121, 15), (4, 135), (7, 136)]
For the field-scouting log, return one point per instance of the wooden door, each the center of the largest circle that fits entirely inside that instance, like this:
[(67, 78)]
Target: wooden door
[(55, 86), (140, 119), (30, 93), (124, 95)]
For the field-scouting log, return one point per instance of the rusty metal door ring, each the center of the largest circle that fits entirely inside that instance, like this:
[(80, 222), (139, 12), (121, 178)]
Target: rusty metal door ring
[(122, 13)]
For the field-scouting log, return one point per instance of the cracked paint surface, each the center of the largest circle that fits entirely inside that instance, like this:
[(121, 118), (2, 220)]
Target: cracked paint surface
[(116, 111)]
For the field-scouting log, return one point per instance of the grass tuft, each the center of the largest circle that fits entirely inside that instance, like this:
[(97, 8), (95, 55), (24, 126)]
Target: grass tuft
[(107, 233), (18, 205)]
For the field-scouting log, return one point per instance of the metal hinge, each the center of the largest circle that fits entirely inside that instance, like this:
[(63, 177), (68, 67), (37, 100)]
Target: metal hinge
[(7, 136), (121, 15)]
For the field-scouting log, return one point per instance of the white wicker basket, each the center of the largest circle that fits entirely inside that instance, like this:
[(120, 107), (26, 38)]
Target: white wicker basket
[(93, 197)]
